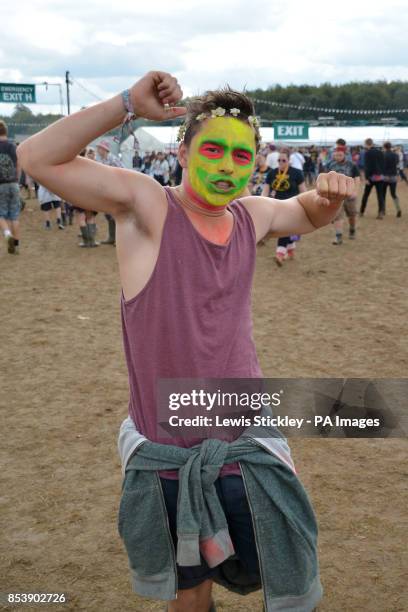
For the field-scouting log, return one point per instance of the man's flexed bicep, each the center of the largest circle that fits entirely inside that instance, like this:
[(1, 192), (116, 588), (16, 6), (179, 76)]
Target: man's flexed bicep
[(277, 217), (94, 186)]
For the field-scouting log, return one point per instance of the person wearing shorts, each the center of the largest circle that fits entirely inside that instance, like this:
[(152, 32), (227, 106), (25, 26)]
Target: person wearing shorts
[(340, 164), (48, 202), (10, 205)]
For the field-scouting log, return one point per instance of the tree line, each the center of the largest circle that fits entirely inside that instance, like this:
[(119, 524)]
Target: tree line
[(378, 95)]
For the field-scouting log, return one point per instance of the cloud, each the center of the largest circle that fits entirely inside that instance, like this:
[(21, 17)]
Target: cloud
[(205, 43)]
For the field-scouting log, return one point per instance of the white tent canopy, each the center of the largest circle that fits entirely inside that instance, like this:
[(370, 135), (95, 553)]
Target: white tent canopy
[(163, 138), (157, 138)]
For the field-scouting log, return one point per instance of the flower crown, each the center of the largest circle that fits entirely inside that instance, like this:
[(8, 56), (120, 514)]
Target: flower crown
[(218, 112)]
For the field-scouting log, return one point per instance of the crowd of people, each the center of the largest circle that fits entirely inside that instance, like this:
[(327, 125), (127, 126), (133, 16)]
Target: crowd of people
[(280, 172), (285, 172)]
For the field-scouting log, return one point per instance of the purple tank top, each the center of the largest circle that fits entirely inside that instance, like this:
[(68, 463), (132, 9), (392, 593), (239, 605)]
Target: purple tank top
[(193, 317)]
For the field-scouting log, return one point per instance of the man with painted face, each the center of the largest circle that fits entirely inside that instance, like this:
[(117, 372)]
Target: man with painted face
[(186, 259)]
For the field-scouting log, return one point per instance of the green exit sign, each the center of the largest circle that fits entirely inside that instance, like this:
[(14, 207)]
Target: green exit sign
[(17, 93), (291, 130)]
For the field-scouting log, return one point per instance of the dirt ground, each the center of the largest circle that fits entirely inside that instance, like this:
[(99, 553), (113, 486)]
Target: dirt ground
[(335, 312)]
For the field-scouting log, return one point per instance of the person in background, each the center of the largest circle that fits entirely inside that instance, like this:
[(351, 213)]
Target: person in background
[(401, 164), (309, 169), (178, 173), (67, 213), (360, 164), (160, 169), (86, 219), (104, 156), (9, 192), (90, 153), (147, 163), (89, 235), (391, 161), (136, 161), (49, 201), (314, 154), (296, 160), (259, 175), (341, 165), (374, 176), (272, 157), (355, 156), (257, 181), (283, 183), (22, 182), (172, 161), (322, 160)]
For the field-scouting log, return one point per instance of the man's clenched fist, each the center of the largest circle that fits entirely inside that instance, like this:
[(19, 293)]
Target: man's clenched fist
[(155, 96), (332, 188)]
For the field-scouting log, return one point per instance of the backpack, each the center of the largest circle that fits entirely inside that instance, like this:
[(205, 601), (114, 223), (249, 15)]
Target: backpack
[(7, 168)]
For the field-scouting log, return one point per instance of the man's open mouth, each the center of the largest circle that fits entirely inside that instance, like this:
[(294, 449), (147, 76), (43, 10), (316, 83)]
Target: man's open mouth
[(223, 185)]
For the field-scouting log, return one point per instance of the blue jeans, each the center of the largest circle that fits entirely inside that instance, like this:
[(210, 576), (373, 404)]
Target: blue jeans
[(231, 492)]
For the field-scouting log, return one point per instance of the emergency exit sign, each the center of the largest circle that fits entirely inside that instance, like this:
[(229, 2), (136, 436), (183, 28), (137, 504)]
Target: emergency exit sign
[(17, 93), (291, 130)]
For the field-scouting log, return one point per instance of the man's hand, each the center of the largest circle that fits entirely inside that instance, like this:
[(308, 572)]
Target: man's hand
[(155, 95), (51, 156), (332, 188)]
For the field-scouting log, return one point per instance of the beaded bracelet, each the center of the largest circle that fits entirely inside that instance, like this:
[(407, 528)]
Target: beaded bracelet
[(127, 103)]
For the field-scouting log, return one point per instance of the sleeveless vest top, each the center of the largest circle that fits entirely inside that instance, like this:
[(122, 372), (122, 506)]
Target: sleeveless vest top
[(193, 317)]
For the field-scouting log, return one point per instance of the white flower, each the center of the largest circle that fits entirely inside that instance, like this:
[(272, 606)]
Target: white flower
[(181, 132), (201, 117), (234, 111), (218, 112), (253, 121)]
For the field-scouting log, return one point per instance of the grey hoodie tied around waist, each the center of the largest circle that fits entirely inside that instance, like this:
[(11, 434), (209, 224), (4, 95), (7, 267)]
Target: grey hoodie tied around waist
[(284, 523)]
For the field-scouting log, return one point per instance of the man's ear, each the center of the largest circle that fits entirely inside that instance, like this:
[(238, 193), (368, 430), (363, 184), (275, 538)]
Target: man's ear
[(182, 155)]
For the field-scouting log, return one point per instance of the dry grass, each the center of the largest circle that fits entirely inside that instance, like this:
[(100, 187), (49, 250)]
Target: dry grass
[(333, 312)]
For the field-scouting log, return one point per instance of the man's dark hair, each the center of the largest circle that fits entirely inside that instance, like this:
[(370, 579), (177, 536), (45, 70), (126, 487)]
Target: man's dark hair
[(387, 146), (341, 142), (369, 142), (3, 129), (225, 98)]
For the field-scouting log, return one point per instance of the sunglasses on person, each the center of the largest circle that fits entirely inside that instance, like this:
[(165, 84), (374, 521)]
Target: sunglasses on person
[(282, 160)]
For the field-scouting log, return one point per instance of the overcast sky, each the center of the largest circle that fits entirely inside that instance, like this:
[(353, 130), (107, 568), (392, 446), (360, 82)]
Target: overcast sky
[(246, 43)]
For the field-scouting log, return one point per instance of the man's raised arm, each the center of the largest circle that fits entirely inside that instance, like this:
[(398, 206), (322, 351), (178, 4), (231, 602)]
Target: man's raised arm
[(51, 156), (305, 212)]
